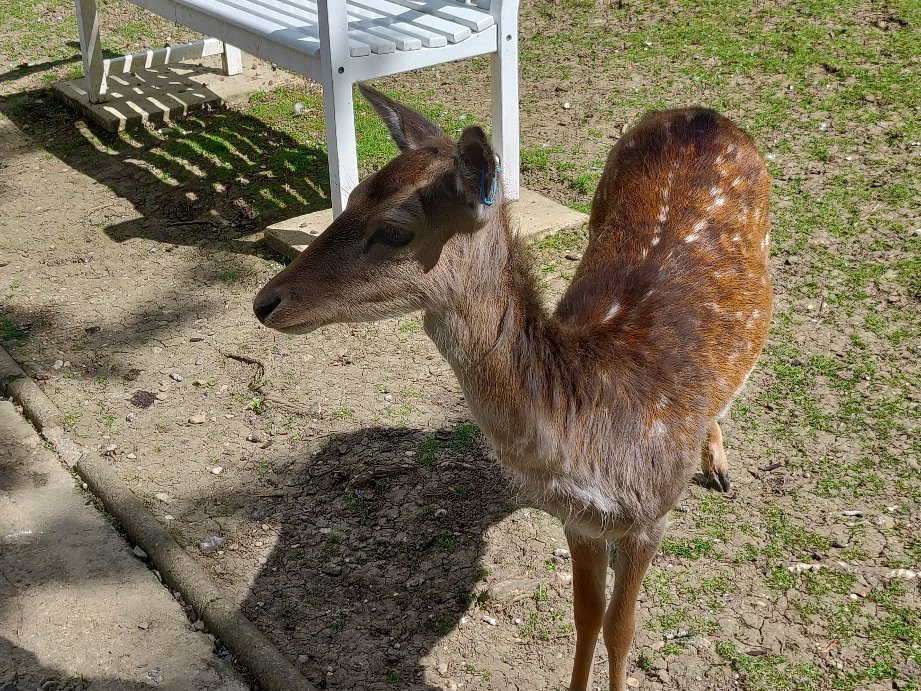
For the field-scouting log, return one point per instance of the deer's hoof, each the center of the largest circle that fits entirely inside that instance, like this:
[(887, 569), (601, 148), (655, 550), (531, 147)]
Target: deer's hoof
[(721, 480)]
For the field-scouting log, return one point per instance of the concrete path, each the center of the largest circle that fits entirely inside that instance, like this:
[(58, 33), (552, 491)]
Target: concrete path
[(77, 608)]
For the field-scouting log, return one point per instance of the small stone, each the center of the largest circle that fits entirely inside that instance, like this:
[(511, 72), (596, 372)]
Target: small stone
[(211, 543), (298, 108), (852, 513), (561, 552), (254, 438), (314, 409), (884, 522), (197, 419), (633, 682), (492, 621), (564, 577), (442, 669), (58, 364), (198, 625), (388, 398), (139, 553), (196, 338), (332, 569), (916, 232), (165, 498), (567, 105), (303, 658), (168, 517), (216, 470), (161, 396), (200, 382), (131, 456), (574, 256), (175, 376), (130, 417), (144, 625), (440, 512)]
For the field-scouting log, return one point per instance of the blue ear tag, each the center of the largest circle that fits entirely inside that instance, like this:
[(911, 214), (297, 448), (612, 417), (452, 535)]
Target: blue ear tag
[(488, 201)]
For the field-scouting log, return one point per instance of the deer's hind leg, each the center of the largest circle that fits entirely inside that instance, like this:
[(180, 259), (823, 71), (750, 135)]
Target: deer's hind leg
[(713, 461)]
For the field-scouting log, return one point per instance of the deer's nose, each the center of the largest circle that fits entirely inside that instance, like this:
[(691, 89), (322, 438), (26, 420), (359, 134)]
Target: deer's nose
[(265, 305)]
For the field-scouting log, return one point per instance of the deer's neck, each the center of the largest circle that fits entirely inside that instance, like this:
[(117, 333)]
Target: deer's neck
[(507, 353)]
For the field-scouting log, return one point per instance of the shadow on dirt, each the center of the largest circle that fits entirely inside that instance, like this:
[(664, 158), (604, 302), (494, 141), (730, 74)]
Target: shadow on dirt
[(378, 553), (206, 181)]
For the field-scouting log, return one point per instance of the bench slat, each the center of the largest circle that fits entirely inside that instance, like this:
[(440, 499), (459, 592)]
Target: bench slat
[(470, 16), (369, 27), (375, 26), (426, 23)]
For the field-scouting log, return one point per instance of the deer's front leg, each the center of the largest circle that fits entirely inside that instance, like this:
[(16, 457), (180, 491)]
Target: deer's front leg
[(589, 574), (634, 554), (714, 463)]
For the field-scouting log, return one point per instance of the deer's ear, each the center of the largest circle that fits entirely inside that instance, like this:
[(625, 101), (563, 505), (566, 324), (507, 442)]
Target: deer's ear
[(407, 128), (476, 168)]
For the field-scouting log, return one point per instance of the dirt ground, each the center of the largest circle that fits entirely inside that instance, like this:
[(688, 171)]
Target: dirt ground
[(366, 529)]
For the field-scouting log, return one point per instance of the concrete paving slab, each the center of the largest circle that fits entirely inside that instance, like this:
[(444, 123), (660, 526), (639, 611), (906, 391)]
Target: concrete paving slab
[(76, 605), (163, 94), (534, 214)]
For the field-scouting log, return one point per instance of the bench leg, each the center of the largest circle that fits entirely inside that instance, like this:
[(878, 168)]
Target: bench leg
[(90, 48), (505, 127), (340, 141), (231, 60)]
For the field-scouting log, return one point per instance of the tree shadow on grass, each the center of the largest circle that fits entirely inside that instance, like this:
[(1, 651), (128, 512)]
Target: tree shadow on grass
[(206, 180)]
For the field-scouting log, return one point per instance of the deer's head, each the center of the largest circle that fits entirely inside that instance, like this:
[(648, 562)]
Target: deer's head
[(381, 257)]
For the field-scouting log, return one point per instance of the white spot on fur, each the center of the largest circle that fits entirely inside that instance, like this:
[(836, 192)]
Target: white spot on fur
[(715, 191), (736, 238), (662, 402), (658, 428), (713, 306), (719, 201), (737, 181), (655, 240), (645, 251), (615, 308), (690, 238), (699, 226), (663, 214)]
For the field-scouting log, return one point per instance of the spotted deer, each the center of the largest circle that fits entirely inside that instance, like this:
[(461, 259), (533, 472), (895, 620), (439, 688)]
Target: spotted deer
[(602, 410)]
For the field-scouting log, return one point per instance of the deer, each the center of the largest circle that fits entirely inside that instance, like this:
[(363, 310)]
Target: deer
[(602, 410)]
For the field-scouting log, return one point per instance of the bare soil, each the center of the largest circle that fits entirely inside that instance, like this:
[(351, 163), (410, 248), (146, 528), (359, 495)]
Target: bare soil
[(367, 530)]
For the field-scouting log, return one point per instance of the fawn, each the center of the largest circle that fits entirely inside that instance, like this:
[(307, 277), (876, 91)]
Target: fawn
[(601, 411)]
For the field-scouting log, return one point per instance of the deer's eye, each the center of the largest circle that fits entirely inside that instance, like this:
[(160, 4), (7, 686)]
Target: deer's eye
[(391, 236)]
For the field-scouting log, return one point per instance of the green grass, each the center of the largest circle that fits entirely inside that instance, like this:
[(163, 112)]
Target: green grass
[(9, 331)]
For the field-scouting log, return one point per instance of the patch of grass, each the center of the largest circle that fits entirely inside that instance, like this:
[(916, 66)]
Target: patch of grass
[(343, 413), (771, 671), (9, 331), (689, 548)]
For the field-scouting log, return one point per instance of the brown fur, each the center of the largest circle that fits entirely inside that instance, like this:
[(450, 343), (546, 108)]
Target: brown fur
[(602, 410)]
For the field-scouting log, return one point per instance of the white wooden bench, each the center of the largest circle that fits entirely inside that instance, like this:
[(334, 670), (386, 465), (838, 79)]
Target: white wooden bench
[(337, 43)]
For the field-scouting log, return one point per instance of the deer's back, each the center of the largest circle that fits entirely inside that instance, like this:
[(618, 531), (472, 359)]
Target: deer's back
[(673, 292)]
